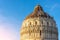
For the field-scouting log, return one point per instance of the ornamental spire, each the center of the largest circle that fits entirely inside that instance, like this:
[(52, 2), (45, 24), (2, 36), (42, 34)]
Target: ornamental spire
[(38, 12), (38, 8)]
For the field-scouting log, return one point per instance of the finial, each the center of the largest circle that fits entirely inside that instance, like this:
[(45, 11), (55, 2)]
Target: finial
[(38, 8)]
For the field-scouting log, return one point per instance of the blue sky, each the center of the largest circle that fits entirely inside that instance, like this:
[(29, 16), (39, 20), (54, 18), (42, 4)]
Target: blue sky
[(13, 12)]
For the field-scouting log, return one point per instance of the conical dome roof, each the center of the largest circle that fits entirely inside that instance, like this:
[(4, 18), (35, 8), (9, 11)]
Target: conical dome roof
[(38, 12)]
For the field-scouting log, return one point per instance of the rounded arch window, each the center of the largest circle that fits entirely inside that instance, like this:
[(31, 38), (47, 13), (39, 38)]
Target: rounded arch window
[(35, 22), (30, 23), (42, 22), (48, 23)]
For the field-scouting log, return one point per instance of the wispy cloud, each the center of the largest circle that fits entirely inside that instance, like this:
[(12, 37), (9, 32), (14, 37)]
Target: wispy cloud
[(54, 6)]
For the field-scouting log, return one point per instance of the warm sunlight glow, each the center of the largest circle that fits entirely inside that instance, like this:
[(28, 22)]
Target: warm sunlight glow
[(5, 34)]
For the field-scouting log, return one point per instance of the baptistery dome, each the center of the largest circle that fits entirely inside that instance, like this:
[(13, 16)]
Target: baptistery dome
[(39, 25)]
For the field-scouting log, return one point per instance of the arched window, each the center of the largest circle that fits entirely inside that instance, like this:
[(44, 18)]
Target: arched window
[(30, 23), (48, 23), (35, 22), (42, 22), (40, 32)]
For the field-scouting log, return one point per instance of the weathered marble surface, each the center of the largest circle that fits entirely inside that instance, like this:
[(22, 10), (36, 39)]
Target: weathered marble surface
[(39, 28)]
